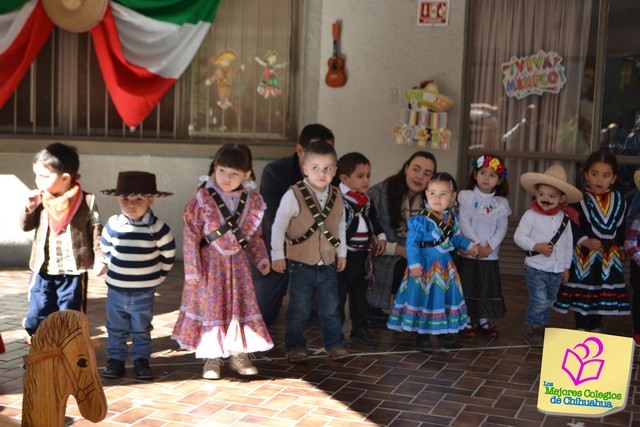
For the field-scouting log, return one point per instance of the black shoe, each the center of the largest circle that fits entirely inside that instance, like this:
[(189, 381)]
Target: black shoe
[(447, 338), (423, 343), (376, 313), (141, 369), (364, 337), (115, 369)]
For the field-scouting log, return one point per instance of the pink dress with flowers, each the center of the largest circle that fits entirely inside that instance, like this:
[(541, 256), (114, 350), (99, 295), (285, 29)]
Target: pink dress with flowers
[(219, 314)]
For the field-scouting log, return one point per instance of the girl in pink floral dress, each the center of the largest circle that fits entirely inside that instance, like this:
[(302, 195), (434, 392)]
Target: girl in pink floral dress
[(219, 316)]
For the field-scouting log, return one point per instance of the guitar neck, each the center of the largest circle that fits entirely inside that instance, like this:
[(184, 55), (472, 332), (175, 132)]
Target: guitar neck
[(335, 31)]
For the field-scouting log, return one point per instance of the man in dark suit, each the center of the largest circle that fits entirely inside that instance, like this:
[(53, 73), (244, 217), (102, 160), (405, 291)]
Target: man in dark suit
[(276, 179)]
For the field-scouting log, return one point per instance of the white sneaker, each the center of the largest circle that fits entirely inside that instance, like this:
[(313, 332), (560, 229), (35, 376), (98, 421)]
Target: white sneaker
[(211, 370), (242, 364)]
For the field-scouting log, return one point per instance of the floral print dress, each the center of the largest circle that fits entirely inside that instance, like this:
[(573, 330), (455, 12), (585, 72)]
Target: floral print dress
[(219, 314)]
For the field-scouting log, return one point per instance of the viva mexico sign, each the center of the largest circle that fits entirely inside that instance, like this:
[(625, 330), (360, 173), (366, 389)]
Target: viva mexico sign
[(533, 74)]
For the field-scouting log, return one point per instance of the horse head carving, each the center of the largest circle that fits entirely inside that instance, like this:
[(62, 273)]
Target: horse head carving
[(62, 362)]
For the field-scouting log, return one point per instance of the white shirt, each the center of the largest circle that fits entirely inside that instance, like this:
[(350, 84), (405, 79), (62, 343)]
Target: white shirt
[(289, 208), (484, 219), (536, 228)]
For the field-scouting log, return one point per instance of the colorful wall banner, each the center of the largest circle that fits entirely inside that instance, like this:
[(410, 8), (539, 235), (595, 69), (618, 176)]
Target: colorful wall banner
[(533, 75), (584, 373)]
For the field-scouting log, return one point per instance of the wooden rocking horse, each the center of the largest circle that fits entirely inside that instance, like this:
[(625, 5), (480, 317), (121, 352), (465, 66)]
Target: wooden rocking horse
[(61, 362)]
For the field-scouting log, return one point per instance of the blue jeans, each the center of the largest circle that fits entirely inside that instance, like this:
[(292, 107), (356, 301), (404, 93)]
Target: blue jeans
[(129, 314), (543, 292), (51, 293), (304, 280)]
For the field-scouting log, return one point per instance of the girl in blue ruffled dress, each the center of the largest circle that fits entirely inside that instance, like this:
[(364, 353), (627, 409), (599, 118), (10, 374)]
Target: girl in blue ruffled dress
[(430, 300)]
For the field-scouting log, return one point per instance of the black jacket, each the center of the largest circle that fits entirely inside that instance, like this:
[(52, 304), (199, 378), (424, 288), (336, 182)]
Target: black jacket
[(276, 179)]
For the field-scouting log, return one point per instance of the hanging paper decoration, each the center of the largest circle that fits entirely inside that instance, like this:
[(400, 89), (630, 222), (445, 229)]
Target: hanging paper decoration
[(535, 74), (142, 46), (269, 83), (425, 120), (223, 75)]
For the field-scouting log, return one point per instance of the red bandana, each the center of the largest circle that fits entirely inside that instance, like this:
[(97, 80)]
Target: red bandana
[(573, 214), (360, 198), (62, 208)]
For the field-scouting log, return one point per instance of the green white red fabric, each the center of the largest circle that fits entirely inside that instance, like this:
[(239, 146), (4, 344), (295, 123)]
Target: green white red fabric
[(143, 47)]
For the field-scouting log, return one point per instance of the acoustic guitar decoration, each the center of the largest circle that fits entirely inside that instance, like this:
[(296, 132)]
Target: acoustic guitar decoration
[(335, 75)]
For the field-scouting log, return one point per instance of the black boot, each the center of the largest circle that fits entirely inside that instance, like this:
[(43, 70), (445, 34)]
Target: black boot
[(141, 369), (115, 369), (423, 343), (363, 337)]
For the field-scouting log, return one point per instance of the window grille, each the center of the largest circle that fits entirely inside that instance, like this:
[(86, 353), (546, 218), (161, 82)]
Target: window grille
[(64, 95)]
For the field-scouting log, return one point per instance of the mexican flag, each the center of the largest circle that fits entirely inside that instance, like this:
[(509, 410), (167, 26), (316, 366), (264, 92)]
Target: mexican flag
[(143, 46), (24, 29)]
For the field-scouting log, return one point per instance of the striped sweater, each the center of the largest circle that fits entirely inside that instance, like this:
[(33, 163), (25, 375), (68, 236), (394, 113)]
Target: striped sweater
[(139, 254)]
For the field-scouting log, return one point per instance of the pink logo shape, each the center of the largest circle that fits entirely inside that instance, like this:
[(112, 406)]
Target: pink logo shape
[(581, 364)]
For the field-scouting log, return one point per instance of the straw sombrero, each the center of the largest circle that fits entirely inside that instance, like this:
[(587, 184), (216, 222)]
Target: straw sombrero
[(76, 16), (134, 182), (429, 97), (227, 54), (554, 176)]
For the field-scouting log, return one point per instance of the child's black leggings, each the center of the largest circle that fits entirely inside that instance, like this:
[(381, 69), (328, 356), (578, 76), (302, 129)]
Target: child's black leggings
[(588, 322)]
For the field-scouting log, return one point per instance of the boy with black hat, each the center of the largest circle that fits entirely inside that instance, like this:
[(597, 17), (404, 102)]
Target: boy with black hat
[(139, 252)]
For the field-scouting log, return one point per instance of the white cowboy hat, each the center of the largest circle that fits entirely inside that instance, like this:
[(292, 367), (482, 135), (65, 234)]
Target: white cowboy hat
[(76, 16), (555, 176)]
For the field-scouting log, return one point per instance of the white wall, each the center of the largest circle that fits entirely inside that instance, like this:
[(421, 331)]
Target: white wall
[(178, 175), (384, 49)]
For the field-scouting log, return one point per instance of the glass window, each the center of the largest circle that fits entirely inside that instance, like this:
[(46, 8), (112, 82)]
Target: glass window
[(620, 131), (530, 101), (64, 94), (239, 80)]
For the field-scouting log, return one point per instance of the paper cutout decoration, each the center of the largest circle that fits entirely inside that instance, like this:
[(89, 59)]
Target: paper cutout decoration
[(535, 74), (584, 373), (223, 75), (269, 84), (424, 122), (428, 96)]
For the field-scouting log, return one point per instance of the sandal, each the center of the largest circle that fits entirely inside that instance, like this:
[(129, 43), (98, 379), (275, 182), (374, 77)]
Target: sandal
[(339, 353), (298, 355), (468, 331), (487, 329)]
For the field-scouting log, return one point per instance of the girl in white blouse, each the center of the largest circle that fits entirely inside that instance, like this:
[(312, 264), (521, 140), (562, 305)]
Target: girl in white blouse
[(484, 213)]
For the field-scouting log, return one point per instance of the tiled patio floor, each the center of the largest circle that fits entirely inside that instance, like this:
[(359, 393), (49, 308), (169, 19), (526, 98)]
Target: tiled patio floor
[(488, 381)]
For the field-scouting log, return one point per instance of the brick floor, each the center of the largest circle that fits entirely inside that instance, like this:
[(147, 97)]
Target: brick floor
[(487, 381)]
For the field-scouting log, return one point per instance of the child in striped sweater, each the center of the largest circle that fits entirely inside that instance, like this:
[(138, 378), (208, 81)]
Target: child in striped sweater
[(139, 252)]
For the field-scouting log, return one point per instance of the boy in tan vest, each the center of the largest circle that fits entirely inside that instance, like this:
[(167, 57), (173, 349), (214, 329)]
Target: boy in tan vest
[(310, 220)]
